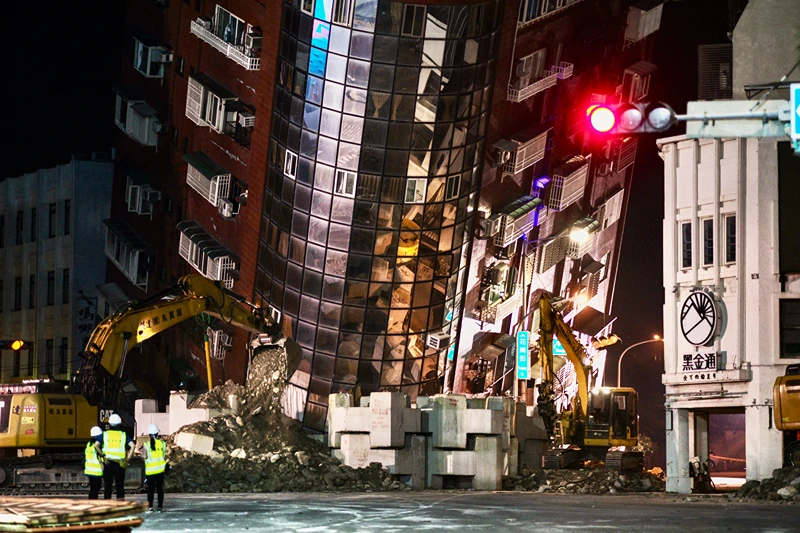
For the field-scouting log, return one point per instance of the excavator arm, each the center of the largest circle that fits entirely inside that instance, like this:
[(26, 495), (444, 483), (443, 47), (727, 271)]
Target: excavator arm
[(551, 323), (192, 295)]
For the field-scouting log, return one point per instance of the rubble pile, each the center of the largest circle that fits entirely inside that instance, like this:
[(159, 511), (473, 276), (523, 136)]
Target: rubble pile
[(259, 449), (784, 485), (596, 480)]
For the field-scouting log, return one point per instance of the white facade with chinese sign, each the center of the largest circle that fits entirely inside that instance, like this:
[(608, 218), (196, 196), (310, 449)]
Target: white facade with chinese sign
[(722, 313)]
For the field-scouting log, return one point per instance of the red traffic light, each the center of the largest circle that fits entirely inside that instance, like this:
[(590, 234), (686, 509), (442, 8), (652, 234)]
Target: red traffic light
[(625, 119), (601, 118)]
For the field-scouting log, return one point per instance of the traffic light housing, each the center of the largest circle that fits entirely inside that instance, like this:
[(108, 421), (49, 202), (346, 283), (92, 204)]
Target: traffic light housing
[(629, 119), (14, 344), (601, 343)]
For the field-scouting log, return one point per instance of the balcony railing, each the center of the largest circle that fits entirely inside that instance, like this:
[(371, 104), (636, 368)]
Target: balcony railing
[(518, 95), (238, 133), (563, 70), (236, 53), (496, 312)]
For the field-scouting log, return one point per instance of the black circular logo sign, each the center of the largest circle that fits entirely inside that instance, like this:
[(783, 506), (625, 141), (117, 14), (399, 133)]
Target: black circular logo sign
[(699, 318)]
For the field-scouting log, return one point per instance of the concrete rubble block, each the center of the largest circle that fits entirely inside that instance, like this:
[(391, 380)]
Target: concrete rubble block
[(484, 422), (338, 405), (448, 462), (419, 461), (354, 450), (488, 463), (531, 452), (508, 407), (386, 419), (528, 426), (146, 413), (447, 421), (511, 458), (180, 415), (201, 444)]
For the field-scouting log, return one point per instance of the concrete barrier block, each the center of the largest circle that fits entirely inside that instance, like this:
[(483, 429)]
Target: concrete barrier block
[(201, 444), (511, 458), (386, 419), (447, 421), (508, 407), (484, 422), (146, 413), (423, 402), (346, 420), (354, 450), (488, 463), (529, 427), (444, 462), (531, 453)]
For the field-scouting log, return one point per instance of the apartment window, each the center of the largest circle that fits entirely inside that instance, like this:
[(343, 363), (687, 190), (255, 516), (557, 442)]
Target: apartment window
[(175, 136), (63, 355), (31, 357), (730, 238), (180, 64), (32, 291), (229, 27), (51, 287), (453, 186), (415, 190), (686, 245), (33, 224), (51, 221), (65, 286), (147, 57), (531, 66), (708, 242), (48, 357), (2, 231), (17, 294), (413, 21), (342, 12), (290, 165), (790, 328), (606, 267), (67, 217), (307, 6), (345, 183), (20, 222)]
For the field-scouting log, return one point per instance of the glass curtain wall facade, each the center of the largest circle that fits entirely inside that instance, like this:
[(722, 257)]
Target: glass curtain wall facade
[(377, 140)]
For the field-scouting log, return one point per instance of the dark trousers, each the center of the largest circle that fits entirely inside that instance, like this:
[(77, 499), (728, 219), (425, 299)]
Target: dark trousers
[(114, 474), (94, 486), (155, 483)]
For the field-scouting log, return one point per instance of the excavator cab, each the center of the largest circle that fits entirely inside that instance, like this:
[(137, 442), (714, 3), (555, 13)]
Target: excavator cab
[(612, 418)]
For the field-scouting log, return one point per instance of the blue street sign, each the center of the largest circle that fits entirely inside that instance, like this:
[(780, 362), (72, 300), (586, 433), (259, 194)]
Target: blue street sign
[(794, 101), (558, 348), (451, 352), (523, 361)]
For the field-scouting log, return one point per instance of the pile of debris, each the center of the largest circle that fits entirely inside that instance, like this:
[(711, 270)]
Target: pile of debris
[(597, 480), (784, 485), (259, 449)]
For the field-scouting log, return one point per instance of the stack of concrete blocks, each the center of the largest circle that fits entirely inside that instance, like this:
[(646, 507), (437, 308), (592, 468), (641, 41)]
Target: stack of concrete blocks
[(531, 436), (177, 415), (465, 442), (383, 429)]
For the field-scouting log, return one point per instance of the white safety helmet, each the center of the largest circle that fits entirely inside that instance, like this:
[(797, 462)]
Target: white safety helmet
[(152, 429), (96, 431), (114, 420)]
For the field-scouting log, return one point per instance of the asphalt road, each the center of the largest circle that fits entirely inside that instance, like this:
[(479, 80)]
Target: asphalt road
[(458, 511)]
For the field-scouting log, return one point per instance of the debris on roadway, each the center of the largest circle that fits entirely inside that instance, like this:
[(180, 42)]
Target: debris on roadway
[(784, 485), (257, 448), (590, 480)]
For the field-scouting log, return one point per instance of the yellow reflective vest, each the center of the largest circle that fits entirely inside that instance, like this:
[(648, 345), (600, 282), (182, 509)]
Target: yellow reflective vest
[(114, 444), (156, 462), (92, 466)]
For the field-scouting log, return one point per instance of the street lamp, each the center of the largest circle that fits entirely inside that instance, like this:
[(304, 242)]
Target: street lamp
[(655, 338)]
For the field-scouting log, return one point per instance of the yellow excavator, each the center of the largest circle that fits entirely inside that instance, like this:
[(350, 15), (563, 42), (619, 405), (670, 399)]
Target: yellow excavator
[(43, 422), (602, 423), (786, 400)]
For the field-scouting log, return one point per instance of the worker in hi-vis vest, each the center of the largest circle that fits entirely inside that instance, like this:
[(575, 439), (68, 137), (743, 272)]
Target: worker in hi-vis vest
[(93, 465), (118, 450), (154, 453)]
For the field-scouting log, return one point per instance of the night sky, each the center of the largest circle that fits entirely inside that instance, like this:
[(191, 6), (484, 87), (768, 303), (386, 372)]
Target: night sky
[(64, 57)]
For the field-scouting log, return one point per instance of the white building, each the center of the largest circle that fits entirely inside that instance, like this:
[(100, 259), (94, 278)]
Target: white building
[(51, 260)]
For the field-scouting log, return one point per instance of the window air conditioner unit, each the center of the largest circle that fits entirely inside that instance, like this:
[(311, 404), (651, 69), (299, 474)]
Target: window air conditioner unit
[(438, 340), (247, 119), (205, 23), (167, 56), (151, 195), (494, 223), (225, 208), (252, 41)]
